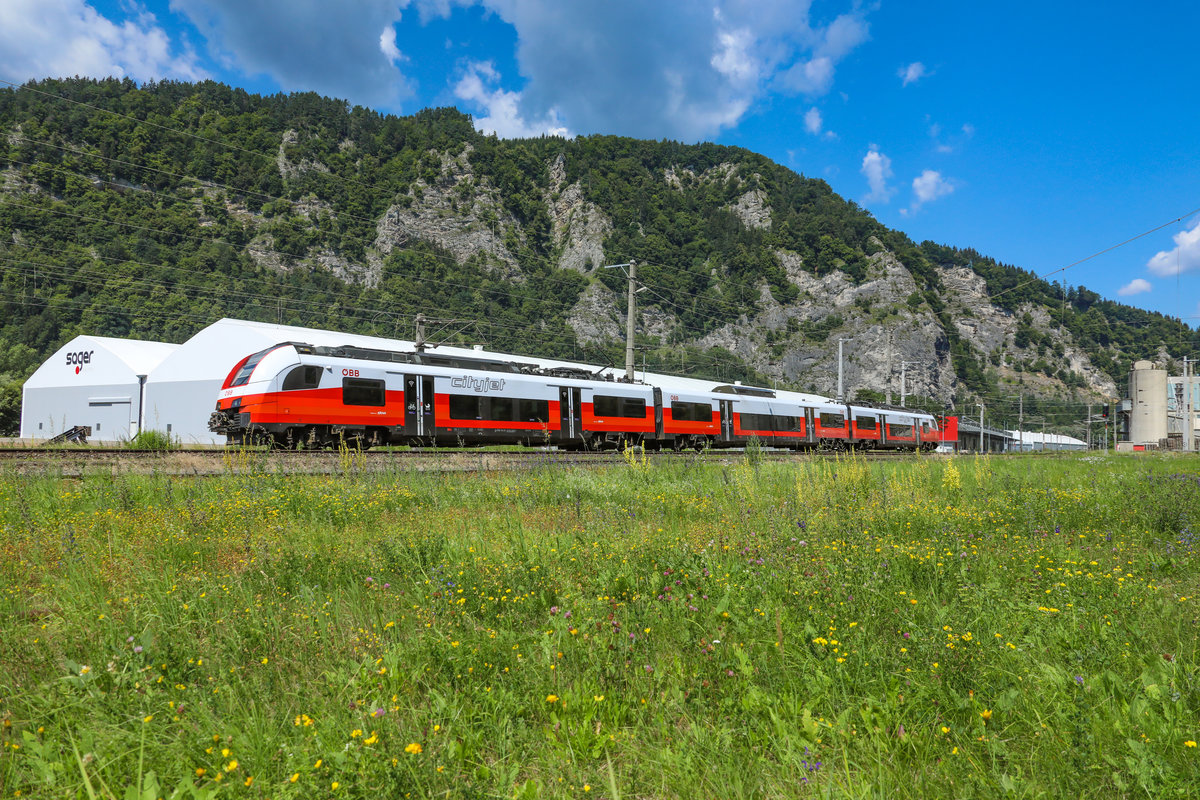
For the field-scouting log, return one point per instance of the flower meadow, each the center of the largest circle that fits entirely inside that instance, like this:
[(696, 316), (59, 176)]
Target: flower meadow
[(711, 627)]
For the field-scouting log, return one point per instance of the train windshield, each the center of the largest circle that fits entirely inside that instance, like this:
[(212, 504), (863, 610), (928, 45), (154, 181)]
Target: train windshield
[(243, 376)]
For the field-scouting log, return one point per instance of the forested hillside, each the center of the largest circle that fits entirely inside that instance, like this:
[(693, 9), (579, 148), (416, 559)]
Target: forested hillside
[(152, 211)]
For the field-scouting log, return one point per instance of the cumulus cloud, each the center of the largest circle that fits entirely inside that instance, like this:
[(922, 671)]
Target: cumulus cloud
[(387, 45), (912, 73), (64, 38), (1135, 286), (877, 168), (927, 187), (1183, 257), (812, 121), (669, 69), (334, 49), (502, 115)]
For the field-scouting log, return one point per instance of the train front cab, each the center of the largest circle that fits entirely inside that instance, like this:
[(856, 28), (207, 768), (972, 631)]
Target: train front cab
[(247, 406)]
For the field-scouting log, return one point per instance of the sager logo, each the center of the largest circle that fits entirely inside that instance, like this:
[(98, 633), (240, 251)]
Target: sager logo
[(77, 360)]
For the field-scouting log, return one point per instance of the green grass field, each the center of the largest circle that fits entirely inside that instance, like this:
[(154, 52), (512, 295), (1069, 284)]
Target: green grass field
[(986, 627)]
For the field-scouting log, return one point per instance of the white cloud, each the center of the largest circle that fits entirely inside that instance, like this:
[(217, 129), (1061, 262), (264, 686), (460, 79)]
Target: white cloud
[(812, 77), (877, 168), (815, 124), (734, 58), (912, 73), (502, 114), (64, 38), (387, 45), (672, 68), (812, 121), (334, 49), (968, 130), (1184, 257), (927, 187), (1135, 286), (667, 69)]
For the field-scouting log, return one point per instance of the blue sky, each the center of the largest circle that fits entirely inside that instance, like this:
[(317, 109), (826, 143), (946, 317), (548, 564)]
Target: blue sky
[(1037, 133)]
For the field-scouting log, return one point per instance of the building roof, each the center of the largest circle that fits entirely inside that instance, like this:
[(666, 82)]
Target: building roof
[(1036, 437), (213, 351), (966, 425), (120, 361)]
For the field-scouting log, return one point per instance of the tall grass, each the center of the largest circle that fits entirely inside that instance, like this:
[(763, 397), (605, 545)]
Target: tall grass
[(967, 627)]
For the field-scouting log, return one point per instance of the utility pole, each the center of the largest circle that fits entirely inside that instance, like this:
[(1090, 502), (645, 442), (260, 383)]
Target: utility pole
[(903, 366), (841, 395), (1089, 428), (1188, 429), (1021, 420), (981, 450), (888, 382), (629, 323), (632, 273), (419, 334)]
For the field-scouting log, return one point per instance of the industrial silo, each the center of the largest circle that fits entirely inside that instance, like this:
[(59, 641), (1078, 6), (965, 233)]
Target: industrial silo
[(1148, 398)]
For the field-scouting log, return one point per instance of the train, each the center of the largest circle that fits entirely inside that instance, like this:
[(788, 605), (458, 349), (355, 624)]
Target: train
[(301, 396)]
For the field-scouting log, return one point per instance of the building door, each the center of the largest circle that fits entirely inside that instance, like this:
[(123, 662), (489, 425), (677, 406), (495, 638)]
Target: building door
[(111, 418)]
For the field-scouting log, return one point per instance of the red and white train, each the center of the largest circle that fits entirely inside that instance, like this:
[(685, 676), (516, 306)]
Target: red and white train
[(300, 396)]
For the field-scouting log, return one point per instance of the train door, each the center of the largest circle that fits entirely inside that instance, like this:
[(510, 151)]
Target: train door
[(727, 420), (810, 432), (570, 410), (427, 427), (418, 406), (658, 414)]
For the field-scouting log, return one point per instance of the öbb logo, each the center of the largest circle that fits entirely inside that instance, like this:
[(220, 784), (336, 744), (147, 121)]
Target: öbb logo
[(77, 360)]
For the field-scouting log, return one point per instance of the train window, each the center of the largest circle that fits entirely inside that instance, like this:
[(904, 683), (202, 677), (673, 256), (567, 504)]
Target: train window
[(533, 410), (302, 377), (362, 392), (865, 423), (691, 412), (500, 409), (832, 420), (756, 422), (900, 431), (783, 423), (463, 406), (609, 406)]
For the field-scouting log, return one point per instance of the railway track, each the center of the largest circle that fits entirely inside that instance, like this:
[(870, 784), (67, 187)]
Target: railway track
[(75, 461)]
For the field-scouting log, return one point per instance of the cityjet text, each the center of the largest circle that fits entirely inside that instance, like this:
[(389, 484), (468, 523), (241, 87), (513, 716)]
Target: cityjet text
[(478, 384)]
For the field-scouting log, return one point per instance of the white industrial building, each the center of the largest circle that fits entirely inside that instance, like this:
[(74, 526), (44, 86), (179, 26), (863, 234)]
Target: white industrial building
[(1029, 441), (128, 385), (92, 381)]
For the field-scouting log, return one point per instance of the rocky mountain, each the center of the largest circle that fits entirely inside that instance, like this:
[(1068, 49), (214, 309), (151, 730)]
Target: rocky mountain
[(150, 211)]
